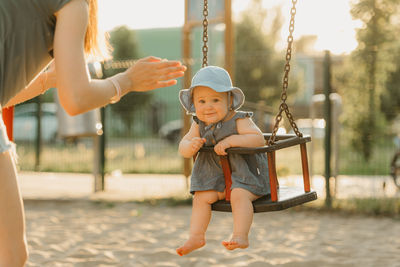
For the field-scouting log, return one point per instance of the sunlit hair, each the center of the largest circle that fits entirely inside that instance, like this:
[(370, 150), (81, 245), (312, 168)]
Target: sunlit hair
[(97, 46), (91, 38)]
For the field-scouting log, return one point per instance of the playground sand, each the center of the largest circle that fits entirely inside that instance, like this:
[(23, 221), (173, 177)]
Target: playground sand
[(86, 233)]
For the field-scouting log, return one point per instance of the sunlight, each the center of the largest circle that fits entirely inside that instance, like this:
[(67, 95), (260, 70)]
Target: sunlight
[(138, 14), (330, 20)]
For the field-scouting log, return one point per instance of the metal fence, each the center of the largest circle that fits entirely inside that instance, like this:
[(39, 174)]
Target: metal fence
[(151, 145)]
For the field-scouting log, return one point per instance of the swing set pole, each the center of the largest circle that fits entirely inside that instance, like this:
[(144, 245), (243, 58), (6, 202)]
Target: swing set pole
[(229, 40), (328, 126), (187, 51), (190, 23)]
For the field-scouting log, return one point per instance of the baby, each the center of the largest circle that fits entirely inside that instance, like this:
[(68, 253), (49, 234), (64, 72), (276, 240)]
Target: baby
[(214, 102)]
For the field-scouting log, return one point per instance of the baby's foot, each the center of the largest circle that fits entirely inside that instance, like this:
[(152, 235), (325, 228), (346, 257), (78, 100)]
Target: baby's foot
[(236, 242), (191, 244)]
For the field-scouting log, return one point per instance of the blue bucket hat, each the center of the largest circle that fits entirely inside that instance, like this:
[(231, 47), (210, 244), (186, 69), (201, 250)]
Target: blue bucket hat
[(215, 78)]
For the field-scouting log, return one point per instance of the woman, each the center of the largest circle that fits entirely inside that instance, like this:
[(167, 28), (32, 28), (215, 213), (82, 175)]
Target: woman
[(32, 33)]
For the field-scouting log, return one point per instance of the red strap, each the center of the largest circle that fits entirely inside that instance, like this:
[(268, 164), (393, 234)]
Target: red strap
[(226, 168), (8, 116)]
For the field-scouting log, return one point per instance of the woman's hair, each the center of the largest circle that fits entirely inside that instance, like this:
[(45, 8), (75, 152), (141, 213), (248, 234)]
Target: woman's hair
[(91, 37)]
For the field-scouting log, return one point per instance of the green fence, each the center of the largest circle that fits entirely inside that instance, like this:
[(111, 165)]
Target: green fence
[(143, 149)]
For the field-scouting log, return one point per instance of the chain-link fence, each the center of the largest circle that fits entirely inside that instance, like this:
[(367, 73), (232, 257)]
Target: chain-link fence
[(151, 145)]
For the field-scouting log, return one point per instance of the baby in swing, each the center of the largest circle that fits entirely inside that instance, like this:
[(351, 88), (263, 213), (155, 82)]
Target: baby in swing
[(214, 102)]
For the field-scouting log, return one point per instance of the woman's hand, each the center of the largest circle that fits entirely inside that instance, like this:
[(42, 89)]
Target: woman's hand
[(151, 73)]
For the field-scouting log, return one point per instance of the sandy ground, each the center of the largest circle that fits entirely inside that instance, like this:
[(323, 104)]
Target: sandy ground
[(86, 233)]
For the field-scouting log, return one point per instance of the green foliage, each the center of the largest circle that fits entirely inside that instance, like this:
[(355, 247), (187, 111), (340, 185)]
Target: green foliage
[(125, 47), (364, 77), (390, 98), (370, 206), (124, 43), (258, 67)]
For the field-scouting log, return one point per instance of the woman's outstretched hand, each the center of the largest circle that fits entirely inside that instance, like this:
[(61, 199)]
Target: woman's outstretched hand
[(151, 73)]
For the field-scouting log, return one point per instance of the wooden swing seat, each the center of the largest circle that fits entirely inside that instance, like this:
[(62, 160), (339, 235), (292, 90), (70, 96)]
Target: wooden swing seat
[(281, 197), (287, 197)]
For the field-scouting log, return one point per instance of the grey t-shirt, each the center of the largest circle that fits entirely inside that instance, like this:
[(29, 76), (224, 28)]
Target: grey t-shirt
[(26, 42)]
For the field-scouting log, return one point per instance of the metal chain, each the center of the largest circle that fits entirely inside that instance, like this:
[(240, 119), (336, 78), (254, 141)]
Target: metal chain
[(283, 106), (119, 64), (205, 34)]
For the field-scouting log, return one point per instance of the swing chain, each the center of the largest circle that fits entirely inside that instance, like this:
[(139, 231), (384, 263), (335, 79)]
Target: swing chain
[(205, 34), (283, 106)]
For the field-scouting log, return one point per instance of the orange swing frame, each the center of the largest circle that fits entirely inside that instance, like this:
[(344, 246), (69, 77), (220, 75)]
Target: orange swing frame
[(281, 197)]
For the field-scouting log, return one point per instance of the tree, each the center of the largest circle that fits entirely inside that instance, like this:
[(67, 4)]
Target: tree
[(369, 66), (390, 98), (258, 70), (124, 46)]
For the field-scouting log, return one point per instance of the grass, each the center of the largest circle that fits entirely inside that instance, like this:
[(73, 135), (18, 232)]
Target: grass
[(57, 158), (353, 163), (126, 155), (153, 155), (170, 202), (141, 156), (382, 207)]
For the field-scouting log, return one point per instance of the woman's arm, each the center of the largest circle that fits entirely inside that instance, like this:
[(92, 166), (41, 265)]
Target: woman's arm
[(249, 135), (37, 86), (77, 92)]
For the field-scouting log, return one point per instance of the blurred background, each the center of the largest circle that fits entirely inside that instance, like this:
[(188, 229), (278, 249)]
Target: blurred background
[(140, 134)]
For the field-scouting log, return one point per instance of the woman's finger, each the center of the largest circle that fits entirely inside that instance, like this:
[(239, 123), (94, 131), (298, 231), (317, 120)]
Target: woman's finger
[(151, 59), (171, 76), (167, 71), (168, 64), (162, 84)]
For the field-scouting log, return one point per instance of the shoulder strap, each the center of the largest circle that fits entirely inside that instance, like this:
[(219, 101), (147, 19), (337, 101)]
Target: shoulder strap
[(243, 114), (196, 119)]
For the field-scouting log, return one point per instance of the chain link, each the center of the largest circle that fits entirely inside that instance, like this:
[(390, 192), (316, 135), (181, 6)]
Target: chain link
[(283, 107), (205, 34), (119, 64)]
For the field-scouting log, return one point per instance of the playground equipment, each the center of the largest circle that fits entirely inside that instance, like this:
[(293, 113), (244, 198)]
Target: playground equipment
[(280, 197)]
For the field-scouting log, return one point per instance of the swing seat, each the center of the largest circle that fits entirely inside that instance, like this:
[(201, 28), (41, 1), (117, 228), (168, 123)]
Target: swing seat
[(287, 197), (281, 197)]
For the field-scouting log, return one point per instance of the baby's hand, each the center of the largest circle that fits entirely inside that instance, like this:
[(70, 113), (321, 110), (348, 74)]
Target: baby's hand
[(197, 143), (220, 148)]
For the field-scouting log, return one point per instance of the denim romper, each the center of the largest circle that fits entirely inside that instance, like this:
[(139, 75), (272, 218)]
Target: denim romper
[(249, 171)]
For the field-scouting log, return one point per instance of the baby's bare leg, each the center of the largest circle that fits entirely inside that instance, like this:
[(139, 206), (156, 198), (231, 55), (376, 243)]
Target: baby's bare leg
[(201, 215), (242, 210)]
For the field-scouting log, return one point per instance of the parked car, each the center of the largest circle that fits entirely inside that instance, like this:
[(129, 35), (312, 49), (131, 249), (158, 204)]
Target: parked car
[(171, 131), (25, 122)]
